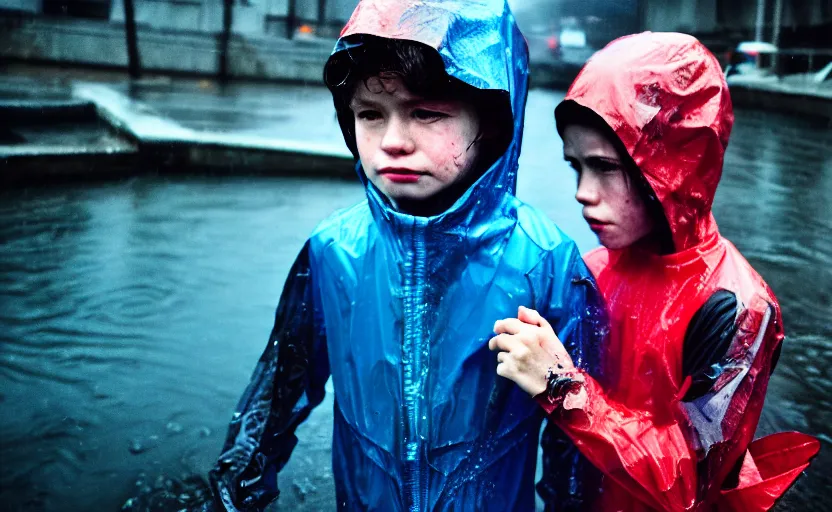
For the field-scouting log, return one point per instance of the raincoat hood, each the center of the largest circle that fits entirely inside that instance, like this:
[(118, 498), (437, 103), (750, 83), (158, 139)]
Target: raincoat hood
[(480, 45), (665, 96)]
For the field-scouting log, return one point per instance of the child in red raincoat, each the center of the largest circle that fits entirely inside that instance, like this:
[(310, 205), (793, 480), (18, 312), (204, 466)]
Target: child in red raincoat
[(695, 332)]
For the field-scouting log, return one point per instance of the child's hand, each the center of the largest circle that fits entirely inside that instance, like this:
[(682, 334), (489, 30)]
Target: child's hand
[(528, 348)]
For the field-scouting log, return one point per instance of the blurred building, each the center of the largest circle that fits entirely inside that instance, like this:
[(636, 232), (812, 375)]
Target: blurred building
[(740, 18), (253, 17), (289, 39), (788, 23), (562, 34)]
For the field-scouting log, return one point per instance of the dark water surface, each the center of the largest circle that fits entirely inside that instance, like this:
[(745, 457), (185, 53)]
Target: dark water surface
[(132, 313)]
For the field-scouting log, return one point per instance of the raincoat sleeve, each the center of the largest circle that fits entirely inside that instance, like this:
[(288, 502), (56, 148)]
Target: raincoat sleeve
[(575, 308), (287, 384), (678, 456)]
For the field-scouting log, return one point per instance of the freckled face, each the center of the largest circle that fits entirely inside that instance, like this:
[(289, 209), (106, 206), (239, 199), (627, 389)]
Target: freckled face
[(411, 147), (614, 209)]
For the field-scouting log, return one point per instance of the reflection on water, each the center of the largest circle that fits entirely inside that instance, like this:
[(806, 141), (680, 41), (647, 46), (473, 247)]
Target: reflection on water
[(132, 314)]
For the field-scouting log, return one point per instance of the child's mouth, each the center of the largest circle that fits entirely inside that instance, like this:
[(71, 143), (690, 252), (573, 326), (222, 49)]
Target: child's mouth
[(401, 175), (596, 225)]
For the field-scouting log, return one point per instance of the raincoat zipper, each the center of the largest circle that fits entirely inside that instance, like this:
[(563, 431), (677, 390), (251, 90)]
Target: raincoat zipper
[(415, 360)]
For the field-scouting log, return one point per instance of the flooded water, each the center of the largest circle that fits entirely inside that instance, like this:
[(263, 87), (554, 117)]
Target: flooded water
[(132, 313)]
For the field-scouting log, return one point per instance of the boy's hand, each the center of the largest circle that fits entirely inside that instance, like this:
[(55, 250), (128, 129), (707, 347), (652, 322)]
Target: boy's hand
[(528, 348)]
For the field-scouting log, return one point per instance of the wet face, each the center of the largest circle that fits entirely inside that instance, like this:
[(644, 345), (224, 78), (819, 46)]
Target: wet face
[(413, 148), (612, 205)]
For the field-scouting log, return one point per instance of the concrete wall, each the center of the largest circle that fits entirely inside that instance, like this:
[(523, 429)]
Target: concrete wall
[(33, 6), (340, 10), (190, 15), (254, 17), (815, 12), (103, 44)]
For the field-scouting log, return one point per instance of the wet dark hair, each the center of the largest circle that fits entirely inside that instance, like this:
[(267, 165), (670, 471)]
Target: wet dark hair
[(422, 71), (571, 113)]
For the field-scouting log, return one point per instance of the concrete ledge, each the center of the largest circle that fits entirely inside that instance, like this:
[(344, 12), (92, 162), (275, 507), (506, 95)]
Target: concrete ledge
[(53, 151), (58, 139), (246, 161), (144, 125), (193, 148)]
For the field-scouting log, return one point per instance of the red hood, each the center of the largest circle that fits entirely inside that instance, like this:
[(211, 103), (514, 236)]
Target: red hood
[(665, 96)]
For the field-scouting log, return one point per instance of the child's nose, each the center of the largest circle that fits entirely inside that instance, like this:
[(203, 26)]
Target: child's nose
[(587, 193), (397, 139)]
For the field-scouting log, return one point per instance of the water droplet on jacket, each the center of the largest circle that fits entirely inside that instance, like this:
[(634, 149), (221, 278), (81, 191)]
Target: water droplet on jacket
[(136, 447)]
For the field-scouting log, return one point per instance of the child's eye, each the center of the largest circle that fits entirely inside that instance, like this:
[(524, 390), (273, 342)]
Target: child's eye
[(368, 115), (608, 167), (428, 115)]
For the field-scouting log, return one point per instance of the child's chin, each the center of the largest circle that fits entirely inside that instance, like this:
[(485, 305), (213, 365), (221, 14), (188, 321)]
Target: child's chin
[(399, 195)]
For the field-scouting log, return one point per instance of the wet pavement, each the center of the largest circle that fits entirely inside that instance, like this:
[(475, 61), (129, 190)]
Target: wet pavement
[(165, 124), (244, 116), (134, 311), (157, 109)]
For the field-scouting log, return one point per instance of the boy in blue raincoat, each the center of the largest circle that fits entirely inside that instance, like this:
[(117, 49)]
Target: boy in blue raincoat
[(395, 298)]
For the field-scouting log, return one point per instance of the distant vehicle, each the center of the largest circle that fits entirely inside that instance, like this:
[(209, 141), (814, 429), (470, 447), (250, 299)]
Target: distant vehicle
[(573, 47), (748, 57), (543, 42), (564, 34), (558, 43)]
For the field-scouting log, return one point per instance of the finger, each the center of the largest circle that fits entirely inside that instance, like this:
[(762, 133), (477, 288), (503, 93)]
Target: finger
[(530, 316), (533, 317), (506, 369), (504, 343), (509, 326), (502, 357)]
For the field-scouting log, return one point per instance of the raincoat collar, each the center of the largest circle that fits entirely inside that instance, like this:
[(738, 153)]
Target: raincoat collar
[(665, 96), (480, 44), (707, 252)]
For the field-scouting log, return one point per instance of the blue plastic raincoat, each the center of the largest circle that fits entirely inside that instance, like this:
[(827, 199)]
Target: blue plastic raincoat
[(398, 310)]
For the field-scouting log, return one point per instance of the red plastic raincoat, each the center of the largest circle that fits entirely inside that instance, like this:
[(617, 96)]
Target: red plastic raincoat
[(665, 97)]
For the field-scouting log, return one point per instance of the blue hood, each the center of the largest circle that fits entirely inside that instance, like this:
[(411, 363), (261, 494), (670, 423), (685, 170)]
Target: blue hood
[(480, 45)]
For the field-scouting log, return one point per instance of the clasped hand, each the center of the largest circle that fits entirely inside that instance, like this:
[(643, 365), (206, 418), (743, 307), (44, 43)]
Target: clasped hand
[(528, 350)]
